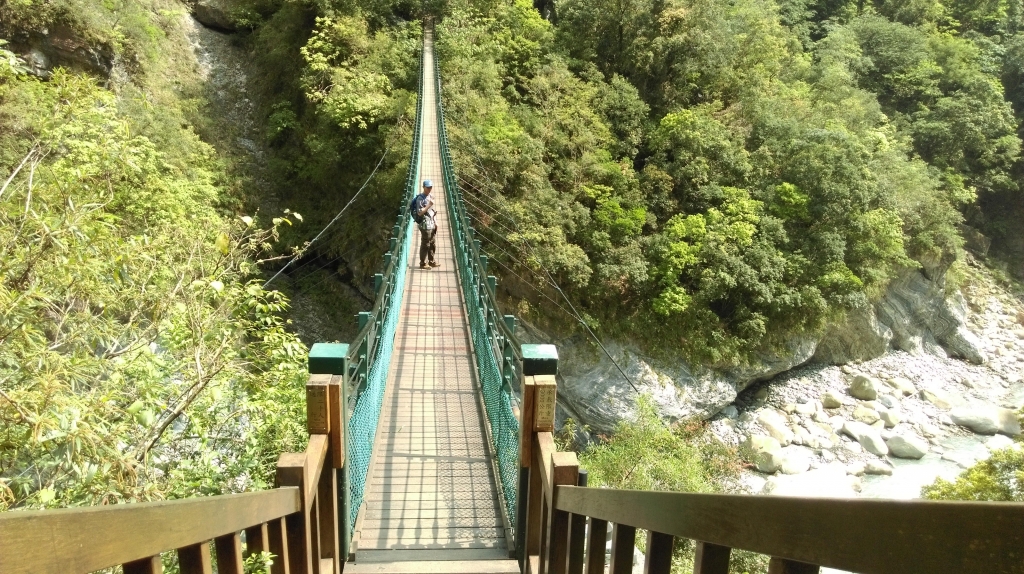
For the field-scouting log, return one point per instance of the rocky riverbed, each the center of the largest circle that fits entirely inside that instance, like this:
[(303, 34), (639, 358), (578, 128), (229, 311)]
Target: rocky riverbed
[(887, 426)]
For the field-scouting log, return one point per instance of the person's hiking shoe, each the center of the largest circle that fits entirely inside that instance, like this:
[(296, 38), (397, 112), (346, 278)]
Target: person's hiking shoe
[(424, 266), (434, 264)]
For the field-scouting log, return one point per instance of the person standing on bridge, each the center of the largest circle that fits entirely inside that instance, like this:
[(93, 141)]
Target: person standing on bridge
[(422, 208)]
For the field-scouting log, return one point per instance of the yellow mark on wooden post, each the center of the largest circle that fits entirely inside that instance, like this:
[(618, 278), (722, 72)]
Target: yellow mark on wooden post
[(318, 411), (544, 403)]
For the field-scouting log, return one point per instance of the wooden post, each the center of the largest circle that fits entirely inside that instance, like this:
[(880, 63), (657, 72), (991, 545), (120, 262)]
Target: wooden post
[(229, 554), (151, 565), (291, 471), (564, 471), (327, 502), (537, 360), (597, 541), (658, 559), (526, 423), (623, 543), (277, 542), (195, 559), (333, 361), (257, 540), (711, 559), (577, 534), (783, 566)]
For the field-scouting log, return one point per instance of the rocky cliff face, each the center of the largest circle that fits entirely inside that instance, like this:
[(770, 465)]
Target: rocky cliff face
[(915, 315), (59, 46)]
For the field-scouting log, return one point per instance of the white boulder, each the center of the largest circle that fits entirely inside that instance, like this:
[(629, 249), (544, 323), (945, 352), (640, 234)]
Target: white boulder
[(775, 423), (831, 400), (864, 387), (891, 417), (867, 437), (902, 385), (987, 419), (907, 446), (865, 414), (940, 399)]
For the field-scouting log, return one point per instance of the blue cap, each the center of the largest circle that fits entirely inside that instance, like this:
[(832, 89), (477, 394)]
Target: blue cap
[(427, 183)]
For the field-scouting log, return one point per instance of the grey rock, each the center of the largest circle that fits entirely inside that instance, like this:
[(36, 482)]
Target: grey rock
[(907, 446), (888, 401), (761, 443), (219, 14), (731, 411), (858, 338), (877, 467), (805, 409), (868, 437), (999, 442), (831, 400), (940, 399), (776, 425), (62, 46), (762, 367), (768, 461), (865, 415), (961, 458), (891, 417), (856, 468), (987, 419), (594, 392), (902, 385), (864, 387), (974, 240), (924, 320), (795, 460)]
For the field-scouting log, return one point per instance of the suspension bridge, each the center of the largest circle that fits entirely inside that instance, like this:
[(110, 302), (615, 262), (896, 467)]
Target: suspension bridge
[(431, 450)]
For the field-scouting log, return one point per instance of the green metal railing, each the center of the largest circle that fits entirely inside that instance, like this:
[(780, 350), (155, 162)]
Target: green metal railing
[(497, 351)]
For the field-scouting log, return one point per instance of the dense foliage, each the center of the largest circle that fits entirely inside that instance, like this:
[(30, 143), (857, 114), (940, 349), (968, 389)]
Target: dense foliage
[(717, 177), (645, 454), (140, 357), (999, 478), (339, 83)]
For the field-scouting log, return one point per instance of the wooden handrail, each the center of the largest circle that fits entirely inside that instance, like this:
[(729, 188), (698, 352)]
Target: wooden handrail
[(97, 537), (801, 535), (297, 522), (859, 535)]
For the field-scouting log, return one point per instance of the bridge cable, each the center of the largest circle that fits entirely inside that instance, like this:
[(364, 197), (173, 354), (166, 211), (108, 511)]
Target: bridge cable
[(336, 217), (576, 313)]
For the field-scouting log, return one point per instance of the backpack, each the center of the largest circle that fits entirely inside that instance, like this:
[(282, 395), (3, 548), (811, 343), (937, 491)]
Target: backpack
[(412, 209)]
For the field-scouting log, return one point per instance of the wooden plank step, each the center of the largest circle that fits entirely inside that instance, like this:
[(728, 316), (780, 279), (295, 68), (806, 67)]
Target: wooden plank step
[(432, 493), (440, 544), (401, 533), (447, 506), (433, 513), (432, 567), (445, 555), (441, 522)]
